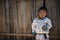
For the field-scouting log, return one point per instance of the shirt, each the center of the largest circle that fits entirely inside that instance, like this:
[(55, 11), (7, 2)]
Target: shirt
[(39, 23)]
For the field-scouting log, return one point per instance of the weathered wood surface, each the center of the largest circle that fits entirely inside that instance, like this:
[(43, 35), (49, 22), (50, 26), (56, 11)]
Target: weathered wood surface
[(24, 35), (53, 14), (16, 16)]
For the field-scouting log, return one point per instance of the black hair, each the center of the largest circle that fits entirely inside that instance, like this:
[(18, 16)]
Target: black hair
[(42, 8)]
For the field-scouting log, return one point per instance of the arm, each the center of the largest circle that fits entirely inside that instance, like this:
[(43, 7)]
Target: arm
[(33, 27), (49, 24)]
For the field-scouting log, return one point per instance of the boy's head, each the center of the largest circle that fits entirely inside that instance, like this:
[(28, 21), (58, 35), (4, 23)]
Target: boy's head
[(42, 12)]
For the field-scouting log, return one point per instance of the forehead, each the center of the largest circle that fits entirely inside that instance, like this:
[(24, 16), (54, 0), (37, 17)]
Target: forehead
[(42, 10)]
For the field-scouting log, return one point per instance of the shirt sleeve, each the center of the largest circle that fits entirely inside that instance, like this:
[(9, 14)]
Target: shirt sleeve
[(49, 24), (33, 26)]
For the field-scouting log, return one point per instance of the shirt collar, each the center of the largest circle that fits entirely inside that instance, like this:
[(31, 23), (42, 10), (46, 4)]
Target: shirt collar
[(41, 18)]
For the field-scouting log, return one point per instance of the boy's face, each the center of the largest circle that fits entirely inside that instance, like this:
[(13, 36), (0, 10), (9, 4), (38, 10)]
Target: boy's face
[(42, 13)]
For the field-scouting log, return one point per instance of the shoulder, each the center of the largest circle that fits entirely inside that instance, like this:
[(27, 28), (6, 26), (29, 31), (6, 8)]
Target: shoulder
[(47, 19), (35, 19)]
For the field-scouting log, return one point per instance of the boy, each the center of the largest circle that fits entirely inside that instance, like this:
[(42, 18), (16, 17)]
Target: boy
[(41, 25)]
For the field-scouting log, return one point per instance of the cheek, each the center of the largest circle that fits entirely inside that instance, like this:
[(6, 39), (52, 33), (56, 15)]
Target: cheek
[(45, 14), (40, 14)]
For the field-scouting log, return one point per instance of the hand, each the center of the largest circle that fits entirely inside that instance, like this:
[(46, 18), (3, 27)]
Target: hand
[(44, 28)]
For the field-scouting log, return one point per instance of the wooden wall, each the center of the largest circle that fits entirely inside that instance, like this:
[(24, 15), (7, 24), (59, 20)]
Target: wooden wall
[(53, 14), (16, 16)]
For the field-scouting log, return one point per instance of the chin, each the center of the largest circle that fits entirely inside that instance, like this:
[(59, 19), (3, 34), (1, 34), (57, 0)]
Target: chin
[(42, 17)]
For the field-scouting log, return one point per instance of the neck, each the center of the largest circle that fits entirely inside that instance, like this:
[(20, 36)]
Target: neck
[(41, 18)]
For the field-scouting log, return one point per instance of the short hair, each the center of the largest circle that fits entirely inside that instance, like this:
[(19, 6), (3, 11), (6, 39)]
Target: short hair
[(42, 8)]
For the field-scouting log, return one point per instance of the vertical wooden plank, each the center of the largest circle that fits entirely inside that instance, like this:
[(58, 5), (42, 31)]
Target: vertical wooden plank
[(7, 26), (2, 17), (13, 10), (21, 11), (15, 16), (7, 20), (11, 16), (58, 17), (28, 16), (20, 16)]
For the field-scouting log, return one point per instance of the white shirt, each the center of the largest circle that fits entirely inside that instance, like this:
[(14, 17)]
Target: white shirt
[(39, 23)]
